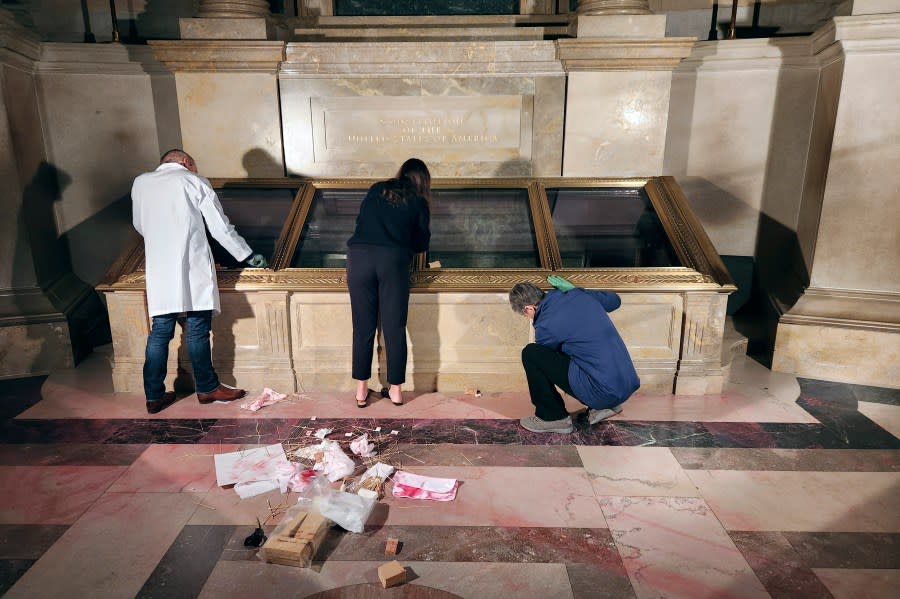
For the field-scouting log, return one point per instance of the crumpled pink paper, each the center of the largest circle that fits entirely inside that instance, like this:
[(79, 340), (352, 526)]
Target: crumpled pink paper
[(266, 398), (361, 446), (294, 477), (415, 486)]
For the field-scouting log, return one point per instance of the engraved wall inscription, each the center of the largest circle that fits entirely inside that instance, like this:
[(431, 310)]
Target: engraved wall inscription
[(448, 129)]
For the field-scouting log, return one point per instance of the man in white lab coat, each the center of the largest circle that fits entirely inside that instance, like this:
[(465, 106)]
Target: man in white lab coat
[(173, 207)]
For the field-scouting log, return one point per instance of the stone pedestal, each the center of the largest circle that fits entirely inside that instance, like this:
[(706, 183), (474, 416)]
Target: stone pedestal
[(228, 104), (846, 326), (619, 80)]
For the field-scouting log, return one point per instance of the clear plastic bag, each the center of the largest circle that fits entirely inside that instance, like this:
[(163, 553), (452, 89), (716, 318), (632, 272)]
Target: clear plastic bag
[(348, 510)]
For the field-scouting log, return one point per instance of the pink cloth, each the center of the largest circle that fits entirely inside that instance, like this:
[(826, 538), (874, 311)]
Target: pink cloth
[(266, 398), (415, 486)]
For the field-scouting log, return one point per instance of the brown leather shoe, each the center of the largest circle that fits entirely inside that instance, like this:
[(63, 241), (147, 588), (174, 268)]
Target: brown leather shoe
[(158, 405), (221, 393)]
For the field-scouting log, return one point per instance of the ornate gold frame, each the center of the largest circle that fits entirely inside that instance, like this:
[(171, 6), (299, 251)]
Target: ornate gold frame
[(703, 269)]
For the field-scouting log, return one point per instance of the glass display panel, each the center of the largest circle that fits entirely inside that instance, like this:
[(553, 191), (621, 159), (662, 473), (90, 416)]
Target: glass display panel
[(346, 8), (258, 214), (330, 223), (608, 227), (482, 228)]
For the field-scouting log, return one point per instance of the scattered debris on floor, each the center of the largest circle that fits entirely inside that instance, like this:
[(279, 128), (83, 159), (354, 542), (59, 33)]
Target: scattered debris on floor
[(391, 574), (473, 392), (251, 471), (257, 538), (266, 398), (296, 540), (415, 486), (339, 473)]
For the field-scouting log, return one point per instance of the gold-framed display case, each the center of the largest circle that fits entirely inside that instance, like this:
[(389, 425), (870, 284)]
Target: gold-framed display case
[(288, 326)]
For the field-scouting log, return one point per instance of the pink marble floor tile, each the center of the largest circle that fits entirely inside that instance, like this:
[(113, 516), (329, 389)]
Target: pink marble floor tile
[(52, 494), (674, 547), (111, 550), (264, 581), (748, 377), (884, 415), (222, 505), (502, 496), (63, 401), (860, 584), (635, 471), (725, 407), (172, 469), (802, 501)]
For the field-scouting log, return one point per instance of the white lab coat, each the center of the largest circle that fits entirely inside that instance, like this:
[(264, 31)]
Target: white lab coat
[(169, 207)]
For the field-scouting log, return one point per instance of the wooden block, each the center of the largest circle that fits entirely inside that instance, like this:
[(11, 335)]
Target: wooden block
[(298, 542), (391, 574), (392, 547)]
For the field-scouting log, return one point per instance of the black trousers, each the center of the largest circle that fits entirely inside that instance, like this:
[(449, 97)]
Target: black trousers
[(378, 279), (546, 369)]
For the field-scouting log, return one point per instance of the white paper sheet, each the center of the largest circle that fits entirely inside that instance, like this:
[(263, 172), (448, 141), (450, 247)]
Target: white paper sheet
[(250, 465)]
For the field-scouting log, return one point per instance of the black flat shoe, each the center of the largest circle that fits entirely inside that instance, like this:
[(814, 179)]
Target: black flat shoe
[(385, 394)]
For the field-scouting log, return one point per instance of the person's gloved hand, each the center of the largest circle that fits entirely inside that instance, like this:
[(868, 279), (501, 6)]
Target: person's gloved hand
[(257, 261), (560, 283)]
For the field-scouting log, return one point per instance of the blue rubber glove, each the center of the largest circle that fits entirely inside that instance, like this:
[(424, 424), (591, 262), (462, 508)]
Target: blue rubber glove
[(560, 283), (257, 261)]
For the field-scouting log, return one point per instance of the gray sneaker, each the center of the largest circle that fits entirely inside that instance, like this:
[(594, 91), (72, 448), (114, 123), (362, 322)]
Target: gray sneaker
[(595, 416), (536, 425)]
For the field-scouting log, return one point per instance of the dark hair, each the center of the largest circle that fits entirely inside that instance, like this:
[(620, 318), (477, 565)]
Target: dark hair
[(524, 294), (412, 180)]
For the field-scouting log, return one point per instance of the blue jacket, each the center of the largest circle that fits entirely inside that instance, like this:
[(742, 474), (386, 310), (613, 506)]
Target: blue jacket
[(576, 323)]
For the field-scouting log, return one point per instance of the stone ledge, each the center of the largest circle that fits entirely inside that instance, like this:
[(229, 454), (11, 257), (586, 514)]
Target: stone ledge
[(848, 309), (623, 54), (219, 55)]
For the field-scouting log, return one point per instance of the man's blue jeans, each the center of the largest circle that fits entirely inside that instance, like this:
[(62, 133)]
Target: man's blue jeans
[(196, 337)]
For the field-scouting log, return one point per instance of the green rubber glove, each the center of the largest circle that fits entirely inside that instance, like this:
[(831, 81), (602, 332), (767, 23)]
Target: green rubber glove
[(257, 261), (560, 283)]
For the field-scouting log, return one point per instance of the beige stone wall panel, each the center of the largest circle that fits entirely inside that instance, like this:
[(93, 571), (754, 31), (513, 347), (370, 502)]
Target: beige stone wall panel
[(739, 125), (516, 86)]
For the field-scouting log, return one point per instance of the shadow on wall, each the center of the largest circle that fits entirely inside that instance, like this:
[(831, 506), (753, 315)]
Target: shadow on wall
[(81, 306), (258, 163), (158, 20)]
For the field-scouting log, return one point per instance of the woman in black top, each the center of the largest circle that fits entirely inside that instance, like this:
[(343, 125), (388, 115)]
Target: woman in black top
[(391, 227)]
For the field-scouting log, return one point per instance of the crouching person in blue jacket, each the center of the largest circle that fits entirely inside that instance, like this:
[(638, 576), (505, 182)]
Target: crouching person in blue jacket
[(578, 350)]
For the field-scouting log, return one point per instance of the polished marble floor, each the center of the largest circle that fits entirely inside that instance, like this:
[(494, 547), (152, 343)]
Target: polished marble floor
[(777, 487)]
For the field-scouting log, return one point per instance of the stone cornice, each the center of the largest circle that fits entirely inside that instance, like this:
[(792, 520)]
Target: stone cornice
[(591, 54), (751, 54), (391, 59), (17, 39), (868, 32), (219, 55), (848, 308), (99, 59)]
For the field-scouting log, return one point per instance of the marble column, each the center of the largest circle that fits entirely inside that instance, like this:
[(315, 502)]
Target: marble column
[(228, 103), (46, 312), (230, 19), (239, 9), (613, 7), (846, 325), (619, 69)]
